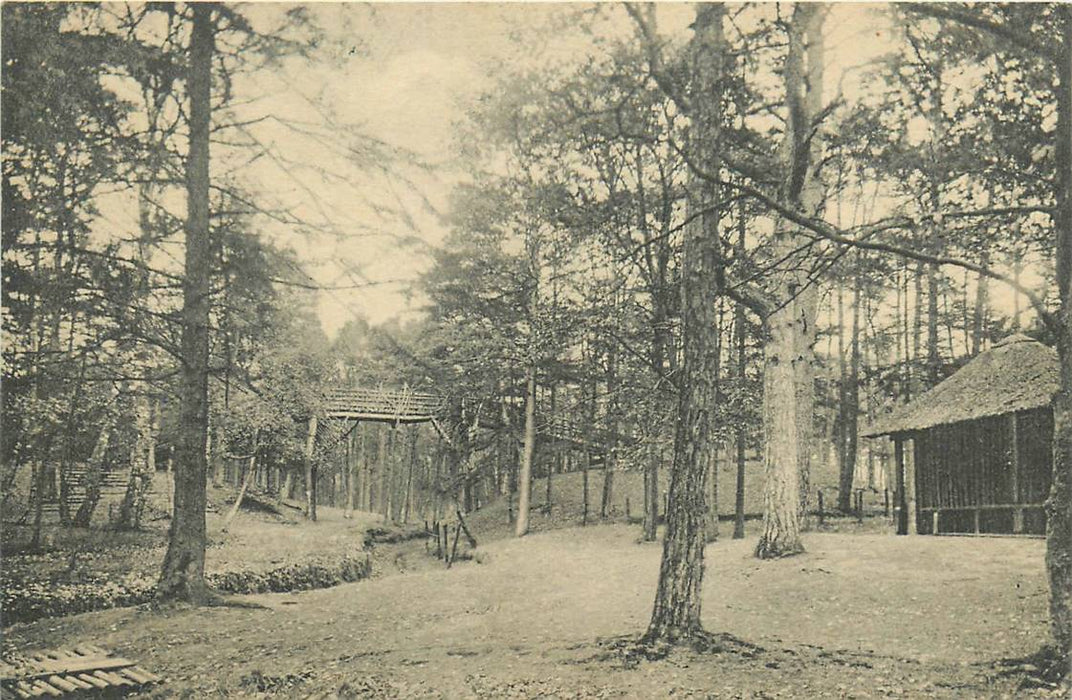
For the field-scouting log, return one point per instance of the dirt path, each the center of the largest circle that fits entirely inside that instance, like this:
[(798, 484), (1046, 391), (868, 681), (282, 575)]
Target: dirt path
[(859, 616)]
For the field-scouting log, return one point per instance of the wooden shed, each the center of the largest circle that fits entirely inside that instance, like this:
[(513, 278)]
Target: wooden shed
[(974, 455)]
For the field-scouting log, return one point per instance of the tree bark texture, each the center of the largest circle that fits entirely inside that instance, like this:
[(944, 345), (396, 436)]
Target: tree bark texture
[(788, 396), (183, 572), (739, 374), (676, 613), (129, 516), (1059, 504), (651, 494), (524, 479)]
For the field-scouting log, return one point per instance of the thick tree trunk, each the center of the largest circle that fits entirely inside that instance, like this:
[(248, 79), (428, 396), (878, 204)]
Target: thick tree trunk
[(183, 572), (1059, 504), (788, 398), (781, 516), (525, 477), (94, 468), (129, 516), (712, 477), (676, 613)]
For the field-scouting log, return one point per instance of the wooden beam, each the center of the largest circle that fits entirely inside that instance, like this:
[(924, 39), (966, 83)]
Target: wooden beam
[(911, 480)]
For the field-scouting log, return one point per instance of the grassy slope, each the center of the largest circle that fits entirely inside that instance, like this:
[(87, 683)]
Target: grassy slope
[(255, 541), (567, 503)]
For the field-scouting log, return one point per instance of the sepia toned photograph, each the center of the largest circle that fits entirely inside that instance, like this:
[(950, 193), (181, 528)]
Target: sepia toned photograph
[(452, 350)]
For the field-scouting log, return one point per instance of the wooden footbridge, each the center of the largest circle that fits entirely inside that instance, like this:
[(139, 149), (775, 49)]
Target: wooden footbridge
[(406, 407), (399, 407)]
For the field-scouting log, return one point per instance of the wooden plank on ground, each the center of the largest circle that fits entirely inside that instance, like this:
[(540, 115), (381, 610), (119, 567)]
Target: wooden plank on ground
[(46, 668), (71, 671), (40, 689), (63, 684), (92, 680)]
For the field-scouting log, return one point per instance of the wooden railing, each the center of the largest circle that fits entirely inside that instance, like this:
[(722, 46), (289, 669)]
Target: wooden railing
[(933, 514), (112, 482), (403, 406), (384, 405)]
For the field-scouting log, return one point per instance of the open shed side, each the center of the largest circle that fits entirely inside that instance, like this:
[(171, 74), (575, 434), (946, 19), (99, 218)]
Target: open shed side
[(974, 454)]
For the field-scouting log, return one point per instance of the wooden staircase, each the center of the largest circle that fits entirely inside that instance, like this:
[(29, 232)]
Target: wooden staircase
[(113, 484)]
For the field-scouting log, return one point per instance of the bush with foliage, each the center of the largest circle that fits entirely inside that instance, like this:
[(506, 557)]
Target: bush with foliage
[(25, 602)]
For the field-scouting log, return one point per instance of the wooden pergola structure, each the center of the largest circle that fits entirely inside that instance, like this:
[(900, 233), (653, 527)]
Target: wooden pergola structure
[(974, 454)]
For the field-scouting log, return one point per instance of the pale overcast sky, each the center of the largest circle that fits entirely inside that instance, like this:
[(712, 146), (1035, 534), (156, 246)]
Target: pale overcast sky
[(413, 70)]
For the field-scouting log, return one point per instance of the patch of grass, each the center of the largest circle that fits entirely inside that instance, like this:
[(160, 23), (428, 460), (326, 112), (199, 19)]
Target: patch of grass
[(95, 568), (855, 616)]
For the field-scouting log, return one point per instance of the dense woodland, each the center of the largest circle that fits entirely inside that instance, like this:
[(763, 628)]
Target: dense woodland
[(690, 249)]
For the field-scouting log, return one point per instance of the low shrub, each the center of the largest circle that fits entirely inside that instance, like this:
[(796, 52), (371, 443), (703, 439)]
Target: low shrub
[(25, 602), (393, 534)]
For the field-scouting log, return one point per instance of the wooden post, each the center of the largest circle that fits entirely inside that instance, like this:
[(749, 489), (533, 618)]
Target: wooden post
[(465, 529), (886, 501), (934, 522), (584, 486), (1014, 439), (454, 548), (351, 469), (910, 486), (902, 497), (821, 514)]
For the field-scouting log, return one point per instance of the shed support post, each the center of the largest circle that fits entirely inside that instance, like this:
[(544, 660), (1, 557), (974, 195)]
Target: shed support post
[(1014, 440), (902, 496), (910, 486)]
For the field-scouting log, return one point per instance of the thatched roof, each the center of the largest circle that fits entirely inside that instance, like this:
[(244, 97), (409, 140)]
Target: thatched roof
[(1016, 374)]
